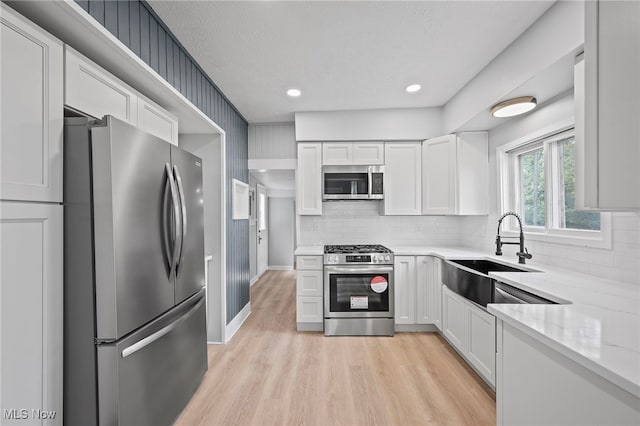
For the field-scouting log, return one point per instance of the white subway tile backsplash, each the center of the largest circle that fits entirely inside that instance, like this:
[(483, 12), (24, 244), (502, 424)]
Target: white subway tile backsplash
[(362, 223)]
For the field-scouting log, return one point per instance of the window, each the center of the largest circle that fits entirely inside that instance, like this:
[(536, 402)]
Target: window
[(538, 182)]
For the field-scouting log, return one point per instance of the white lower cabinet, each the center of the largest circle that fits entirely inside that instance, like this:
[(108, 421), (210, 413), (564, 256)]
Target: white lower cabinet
[(481, 350), (454, 320), (309, 293), (472, 331), (416, 301), (539, 386), (31, 313), (404, 270), (437, 293)]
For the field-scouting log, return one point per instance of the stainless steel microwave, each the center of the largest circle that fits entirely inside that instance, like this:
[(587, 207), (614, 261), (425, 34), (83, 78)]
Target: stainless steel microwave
[(352, 182)]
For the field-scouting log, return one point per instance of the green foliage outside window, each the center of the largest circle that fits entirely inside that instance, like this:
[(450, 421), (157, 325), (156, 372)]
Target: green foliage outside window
[(532, 187)]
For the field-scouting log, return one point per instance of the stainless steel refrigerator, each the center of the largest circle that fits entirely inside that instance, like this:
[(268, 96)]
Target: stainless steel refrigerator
[(134, 309)]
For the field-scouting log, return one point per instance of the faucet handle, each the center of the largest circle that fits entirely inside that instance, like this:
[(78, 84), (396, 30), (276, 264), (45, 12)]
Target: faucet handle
[(525, 254)]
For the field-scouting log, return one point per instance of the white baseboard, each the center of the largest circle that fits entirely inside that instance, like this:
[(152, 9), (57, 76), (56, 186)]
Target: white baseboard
[(280, 268), (235, 324), (254, 280)]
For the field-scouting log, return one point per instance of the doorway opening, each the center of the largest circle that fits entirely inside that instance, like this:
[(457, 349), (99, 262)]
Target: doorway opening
[(272, 220)]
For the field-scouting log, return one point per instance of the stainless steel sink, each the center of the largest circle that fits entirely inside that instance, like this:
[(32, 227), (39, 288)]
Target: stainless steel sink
[(470, 278)]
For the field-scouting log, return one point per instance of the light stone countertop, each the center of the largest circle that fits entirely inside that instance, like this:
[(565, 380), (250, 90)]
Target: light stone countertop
[(598, 326)]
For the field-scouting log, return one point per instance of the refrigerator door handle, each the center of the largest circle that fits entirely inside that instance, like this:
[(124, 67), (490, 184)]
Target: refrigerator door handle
[(176, 220), (183, 204), (141, 344)]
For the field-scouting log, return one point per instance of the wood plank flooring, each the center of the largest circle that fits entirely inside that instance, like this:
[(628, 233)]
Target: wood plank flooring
[(269, 374)]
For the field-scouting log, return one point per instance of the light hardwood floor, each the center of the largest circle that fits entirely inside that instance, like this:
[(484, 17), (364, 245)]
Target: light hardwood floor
[(269, 374)]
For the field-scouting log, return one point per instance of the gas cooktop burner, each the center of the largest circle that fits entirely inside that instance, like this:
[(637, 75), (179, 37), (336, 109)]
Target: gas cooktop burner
[(348, 249)]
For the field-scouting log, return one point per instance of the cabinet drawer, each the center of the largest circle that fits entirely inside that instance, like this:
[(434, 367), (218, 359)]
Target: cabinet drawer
[(94, 91), (309, 262), (309, 283), (309, 309)]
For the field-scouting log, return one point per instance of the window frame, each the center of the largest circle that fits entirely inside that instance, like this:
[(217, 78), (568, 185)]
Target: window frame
[(509, 197)]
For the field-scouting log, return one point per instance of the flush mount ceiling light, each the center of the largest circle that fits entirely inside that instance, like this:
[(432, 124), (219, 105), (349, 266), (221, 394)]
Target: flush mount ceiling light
[(515, 106), (412, 88), (294, 93)]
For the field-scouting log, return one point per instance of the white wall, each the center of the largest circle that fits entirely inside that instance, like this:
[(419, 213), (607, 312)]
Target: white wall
[(281, 239), (621, 262), (363, 125), (208, 148)]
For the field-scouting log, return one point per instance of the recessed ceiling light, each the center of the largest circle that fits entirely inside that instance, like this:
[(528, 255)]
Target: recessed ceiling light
[(515, 106), (412, 88), (294, 93)]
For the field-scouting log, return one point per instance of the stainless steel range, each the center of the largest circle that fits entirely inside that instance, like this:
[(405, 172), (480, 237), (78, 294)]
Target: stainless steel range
[(358, 290)]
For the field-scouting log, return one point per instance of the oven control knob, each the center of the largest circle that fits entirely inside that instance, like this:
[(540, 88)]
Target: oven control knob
[(387, 258), (375, 259)]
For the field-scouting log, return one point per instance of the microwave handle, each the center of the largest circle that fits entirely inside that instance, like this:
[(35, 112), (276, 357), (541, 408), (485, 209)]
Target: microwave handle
[(370, 181)]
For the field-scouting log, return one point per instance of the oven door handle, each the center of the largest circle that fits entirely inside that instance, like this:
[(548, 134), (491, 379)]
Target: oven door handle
[(360, 270)]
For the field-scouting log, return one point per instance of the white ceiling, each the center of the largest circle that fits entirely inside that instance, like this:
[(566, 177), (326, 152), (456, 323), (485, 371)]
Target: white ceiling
[(343, 54)]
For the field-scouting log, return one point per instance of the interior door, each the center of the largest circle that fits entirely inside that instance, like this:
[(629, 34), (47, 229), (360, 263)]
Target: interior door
[(187, 169), (132, 275), (263, 232)]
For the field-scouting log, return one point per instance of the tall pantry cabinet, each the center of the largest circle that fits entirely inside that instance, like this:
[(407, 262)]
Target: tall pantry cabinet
[(31, 218)]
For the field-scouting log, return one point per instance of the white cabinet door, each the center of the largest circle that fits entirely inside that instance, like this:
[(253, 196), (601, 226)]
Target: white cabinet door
[(309, 179), (608, 107), (439, 175), (309, 309), (31, 70), (309, 283), (437, 293), (405, 285), (482, 342), (368, 153), (94, 91), (31, 308), (454, 319), (424, 289), (337, 153), (152, 118), (402, 178)]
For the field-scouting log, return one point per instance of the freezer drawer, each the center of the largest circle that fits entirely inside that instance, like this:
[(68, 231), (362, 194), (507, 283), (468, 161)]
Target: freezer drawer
[(148, 378)]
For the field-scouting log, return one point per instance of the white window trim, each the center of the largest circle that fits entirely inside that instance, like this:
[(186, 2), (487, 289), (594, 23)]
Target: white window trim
[(507, 200)]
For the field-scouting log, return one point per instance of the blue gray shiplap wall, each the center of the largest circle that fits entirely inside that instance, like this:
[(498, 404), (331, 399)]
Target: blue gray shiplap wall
[(138, 27)]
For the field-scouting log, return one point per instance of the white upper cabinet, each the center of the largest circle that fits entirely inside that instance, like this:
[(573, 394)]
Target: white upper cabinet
[(31, 116), (337, 153), (152, 118), (607, 98), (352, 153), (92, 90), (455, 174), (309, 179), (403, 178), (368, 153)]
